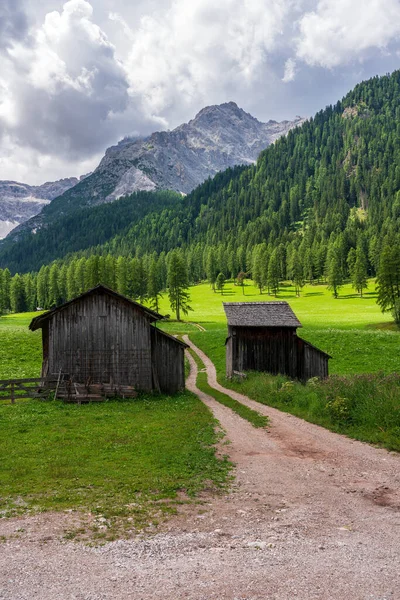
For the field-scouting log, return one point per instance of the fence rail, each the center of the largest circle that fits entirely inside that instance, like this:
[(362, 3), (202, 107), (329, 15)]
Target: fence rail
[(21, 389), (63, 387)]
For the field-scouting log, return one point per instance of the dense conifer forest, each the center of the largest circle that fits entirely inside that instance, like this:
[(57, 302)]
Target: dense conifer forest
[(322, 203)]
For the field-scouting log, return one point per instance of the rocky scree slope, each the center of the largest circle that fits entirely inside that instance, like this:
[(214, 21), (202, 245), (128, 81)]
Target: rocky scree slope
[(218, 137)]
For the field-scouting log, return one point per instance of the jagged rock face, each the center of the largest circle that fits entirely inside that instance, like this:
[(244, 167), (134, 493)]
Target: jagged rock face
[(217, 138), (20, 202)]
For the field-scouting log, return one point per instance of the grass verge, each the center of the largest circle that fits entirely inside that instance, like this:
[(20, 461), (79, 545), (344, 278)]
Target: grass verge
[(243, 411)]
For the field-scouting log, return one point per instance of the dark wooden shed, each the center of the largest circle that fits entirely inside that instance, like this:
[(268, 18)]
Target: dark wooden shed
[(104, 337), (262, 336)]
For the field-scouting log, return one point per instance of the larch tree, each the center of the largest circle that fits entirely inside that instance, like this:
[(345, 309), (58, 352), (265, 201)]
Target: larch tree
[(154, 285), (334, 271), (388, 280), (274, 273), (220, 283), (359, 276)]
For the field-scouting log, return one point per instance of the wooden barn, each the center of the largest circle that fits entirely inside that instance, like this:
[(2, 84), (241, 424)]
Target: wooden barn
[(262, 337), (104, 337)]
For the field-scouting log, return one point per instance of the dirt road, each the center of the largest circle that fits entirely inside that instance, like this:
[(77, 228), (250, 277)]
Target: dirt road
[(312, 515)]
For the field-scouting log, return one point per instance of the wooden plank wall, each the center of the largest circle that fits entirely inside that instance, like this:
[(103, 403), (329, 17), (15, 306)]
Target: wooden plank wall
[(315, 363), (103, 338), (275, 351), (168, 363), (257, 349)]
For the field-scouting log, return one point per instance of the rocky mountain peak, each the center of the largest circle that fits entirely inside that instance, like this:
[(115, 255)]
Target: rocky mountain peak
[(219, 136)]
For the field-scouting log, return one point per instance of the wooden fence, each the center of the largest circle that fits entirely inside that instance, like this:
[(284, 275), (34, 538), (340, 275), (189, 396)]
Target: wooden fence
[(19, 389), (63, 388)]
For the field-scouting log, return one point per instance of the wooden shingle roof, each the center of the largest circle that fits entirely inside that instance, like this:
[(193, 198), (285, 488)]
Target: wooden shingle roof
[(260, 314)]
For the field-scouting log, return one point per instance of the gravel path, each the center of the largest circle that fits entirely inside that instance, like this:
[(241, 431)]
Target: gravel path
[(312, 515)]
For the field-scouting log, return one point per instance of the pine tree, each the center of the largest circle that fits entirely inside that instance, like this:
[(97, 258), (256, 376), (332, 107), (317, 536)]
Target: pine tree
[(297, 273), (54, 289), (334, 272), (92, 272), (351, 262), (122, 275), (1, 293), (30, 291), (17, 294), (154, 285), (72, 288), (241, 279), (42, 287), (258, 266), (6, 289), (211, 267), (177, 283), (138, 280), (80, 276)]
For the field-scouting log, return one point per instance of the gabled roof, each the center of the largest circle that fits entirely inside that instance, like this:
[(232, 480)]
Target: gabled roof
[(260, 314), (37, 322)]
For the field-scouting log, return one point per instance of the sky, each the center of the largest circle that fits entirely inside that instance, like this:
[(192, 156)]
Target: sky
[(77, 76)]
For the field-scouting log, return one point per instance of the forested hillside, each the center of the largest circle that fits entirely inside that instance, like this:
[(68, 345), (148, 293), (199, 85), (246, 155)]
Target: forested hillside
[(320, 203)]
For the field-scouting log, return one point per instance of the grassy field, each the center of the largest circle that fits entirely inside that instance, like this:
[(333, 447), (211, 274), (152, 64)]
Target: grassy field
[(124, 461), (127, 462), (20, 349)]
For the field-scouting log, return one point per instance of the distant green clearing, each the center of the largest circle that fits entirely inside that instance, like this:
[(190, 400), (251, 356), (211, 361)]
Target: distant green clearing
[(351, 329), (124, 461)]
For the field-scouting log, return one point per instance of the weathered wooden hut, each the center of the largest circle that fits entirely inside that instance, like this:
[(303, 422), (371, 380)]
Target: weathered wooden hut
[(262, 336), (104, 337)]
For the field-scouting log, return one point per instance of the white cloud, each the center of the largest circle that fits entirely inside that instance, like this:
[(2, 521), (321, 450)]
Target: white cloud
[(339, 32), (290, 70), (196, 51), (26, 164)]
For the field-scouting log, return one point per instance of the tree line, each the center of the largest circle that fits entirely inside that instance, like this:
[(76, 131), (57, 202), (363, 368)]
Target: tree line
[(148, 277)]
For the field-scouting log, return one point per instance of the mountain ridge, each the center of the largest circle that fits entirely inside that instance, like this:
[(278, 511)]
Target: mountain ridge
[(219, 137)]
